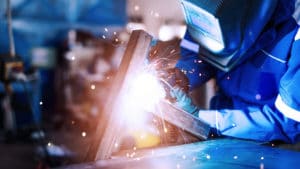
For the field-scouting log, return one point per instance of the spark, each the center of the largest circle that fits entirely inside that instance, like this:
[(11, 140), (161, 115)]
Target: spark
[(49, 144), (132, 154), (93, 87), (41, 103), (83, 134), (208, 156), (136, 7), (143, 136), (257, 96)]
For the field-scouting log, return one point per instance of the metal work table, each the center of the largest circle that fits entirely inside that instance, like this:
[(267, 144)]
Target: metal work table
[(211, 154)]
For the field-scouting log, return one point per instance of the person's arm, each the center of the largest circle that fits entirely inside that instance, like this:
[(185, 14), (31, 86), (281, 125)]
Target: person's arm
[(197, 71), (280, 121)]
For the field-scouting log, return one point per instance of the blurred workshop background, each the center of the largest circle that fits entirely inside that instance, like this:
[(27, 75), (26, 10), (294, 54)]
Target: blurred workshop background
[(69, 51)]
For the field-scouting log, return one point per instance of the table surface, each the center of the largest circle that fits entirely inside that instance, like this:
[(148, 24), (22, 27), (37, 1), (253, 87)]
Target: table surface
[(211, 154)]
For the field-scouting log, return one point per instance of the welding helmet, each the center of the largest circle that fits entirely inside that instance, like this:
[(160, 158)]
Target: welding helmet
[(226, 29)]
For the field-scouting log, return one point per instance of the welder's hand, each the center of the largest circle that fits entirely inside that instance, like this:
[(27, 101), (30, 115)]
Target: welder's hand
[(175, 78), (183, 101)]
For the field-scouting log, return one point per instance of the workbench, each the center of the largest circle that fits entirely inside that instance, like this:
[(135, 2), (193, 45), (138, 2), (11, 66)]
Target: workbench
[(225, 153)]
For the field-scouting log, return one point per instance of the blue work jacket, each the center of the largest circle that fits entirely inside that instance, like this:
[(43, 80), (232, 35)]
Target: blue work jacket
[(260, 98)]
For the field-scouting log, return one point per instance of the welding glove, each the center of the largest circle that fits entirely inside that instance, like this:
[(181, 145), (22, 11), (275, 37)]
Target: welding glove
[(183, 101)]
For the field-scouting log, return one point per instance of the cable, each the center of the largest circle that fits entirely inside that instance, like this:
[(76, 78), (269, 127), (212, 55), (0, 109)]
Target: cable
[(10, 33)]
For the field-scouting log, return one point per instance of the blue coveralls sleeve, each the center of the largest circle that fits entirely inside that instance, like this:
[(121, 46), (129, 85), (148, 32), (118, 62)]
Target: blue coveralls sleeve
[(288, 100), (278, 121), (196, 70)]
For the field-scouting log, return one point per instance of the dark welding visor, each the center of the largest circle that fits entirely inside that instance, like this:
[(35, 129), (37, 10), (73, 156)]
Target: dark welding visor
[(226, 29)]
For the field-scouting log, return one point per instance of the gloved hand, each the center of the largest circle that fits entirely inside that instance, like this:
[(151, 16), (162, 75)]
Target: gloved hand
[(175, 78), (183, 101)]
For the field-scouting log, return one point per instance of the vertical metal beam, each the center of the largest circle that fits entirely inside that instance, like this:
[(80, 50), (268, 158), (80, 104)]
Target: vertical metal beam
[(110, 126)]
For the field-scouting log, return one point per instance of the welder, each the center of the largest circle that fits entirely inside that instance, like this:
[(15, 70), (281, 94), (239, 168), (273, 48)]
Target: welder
[(252, 49)]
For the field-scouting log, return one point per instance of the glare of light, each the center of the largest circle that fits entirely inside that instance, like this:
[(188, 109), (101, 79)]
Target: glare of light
[(168, 32), (208, 156), (212, 44), (262, 166), (134, 26), (116, 145), (136, 7), (103, 36), (70, 56), (105, 29), (41, 103), (83, 134), (262, 158), (141, 97), (235, 157), (165, 130), (93, 87), (49, 144), (257, 96)]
